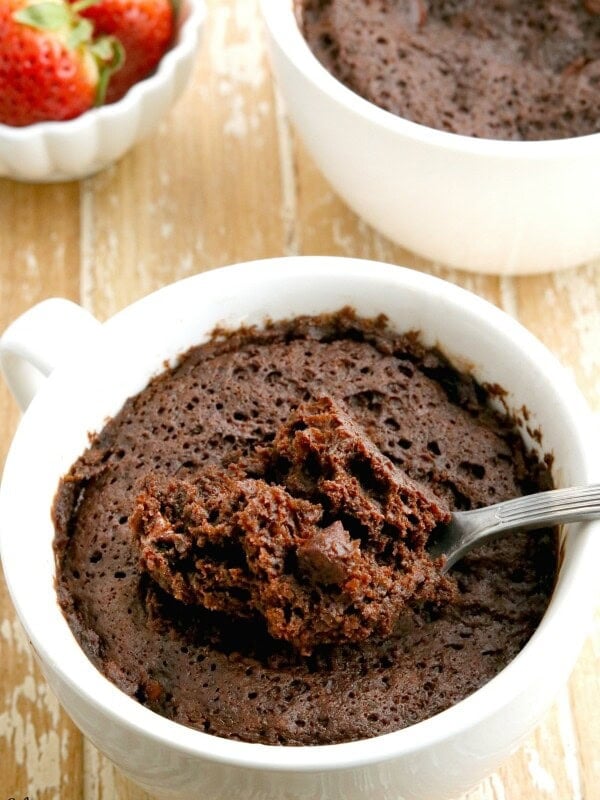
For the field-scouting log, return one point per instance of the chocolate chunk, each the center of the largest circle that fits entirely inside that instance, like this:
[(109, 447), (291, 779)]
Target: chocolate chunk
[(328, 555)]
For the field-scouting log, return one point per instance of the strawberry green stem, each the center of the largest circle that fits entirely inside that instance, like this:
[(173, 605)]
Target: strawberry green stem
[(110, 55), (81, 5)]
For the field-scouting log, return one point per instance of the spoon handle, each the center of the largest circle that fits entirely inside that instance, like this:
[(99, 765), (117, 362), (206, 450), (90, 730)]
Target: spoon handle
[(469, 528), (544, 508)]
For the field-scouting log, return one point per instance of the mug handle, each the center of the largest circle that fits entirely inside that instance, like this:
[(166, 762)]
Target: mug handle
[(38, 340)]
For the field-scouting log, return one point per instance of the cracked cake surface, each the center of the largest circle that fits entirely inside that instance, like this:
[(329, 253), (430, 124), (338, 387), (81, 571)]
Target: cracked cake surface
[(304, 434)]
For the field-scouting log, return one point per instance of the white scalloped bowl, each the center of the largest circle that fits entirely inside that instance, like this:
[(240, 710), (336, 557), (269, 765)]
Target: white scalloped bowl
[(73, 149)]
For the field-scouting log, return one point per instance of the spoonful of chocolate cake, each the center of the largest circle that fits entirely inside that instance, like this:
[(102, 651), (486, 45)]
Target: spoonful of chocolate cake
[(328, 545), (328, 541)]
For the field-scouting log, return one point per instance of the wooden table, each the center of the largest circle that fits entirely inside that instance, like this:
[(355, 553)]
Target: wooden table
[(226, 180)]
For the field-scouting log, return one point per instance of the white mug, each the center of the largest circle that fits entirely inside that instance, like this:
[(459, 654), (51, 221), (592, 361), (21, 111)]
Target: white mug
[(98, 366), (479, 204)]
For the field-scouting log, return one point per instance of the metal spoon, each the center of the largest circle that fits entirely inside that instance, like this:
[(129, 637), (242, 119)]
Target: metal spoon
[(470, 528)]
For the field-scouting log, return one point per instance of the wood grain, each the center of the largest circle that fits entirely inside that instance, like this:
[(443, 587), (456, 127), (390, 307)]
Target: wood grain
[(40, 749), (225, 179)]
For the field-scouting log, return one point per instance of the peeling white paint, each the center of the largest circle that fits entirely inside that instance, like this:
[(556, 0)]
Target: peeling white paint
[(238, 65), (164, 178), (508, 296), (50, 703), (59, 252), (491, 788), (20, 642), (540, 776), (343, 240), (224, 87), (86, 245), (42, 759), (98, 775), (497, 787), (166, 230), (237, 122), (35, 742), (568, 737), (186, 265), (288, 181), (6, 630), (200, 245), (580, 289), (236, 44), (31, 263)]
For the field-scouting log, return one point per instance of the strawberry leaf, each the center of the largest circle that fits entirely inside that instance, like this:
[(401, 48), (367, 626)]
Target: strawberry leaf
[(44, 16), (109, 50), (81, 33)]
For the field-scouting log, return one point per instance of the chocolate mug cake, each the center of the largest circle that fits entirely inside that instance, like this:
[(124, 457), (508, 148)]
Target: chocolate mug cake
[(503, 70), (242, 548)]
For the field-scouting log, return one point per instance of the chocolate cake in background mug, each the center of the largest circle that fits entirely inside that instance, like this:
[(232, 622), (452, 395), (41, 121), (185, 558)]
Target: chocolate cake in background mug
[(228, 406), (508, 70)]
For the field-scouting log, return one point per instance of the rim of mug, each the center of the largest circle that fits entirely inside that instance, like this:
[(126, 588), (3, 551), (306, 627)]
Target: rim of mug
[(280, 19), (98, 691)]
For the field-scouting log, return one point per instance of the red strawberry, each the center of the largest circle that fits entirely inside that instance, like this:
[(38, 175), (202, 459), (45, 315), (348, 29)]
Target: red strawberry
[(144, 28), (51, 68)]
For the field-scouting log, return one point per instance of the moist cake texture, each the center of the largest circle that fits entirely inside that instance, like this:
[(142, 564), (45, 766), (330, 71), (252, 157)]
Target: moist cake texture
[(332, 552), (241, 493), (500, 70)]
